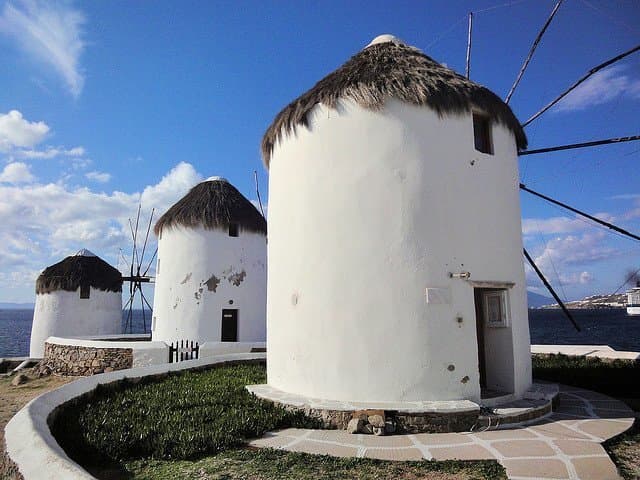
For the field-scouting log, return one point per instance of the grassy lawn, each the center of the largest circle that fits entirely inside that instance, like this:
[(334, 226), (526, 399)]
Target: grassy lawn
[(195, 425), (274, 464)]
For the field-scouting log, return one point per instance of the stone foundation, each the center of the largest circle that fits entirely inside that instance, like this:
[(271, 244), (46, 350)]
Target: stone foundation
[(76, 360)]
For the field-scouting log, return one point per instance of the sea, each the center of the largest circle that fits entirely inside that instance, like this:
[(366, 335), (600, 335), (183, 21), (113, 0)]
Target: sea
[(611, 327)]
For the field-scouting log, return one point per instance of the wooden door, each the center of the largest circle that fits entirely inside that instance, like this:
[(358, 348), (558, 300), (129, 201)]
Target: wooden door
[(480, 323), (229, 325)]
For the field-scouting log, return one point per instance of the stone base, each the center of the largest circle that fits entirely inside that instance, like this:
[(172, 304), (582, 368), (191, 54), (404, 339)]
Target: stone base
[(419, 417), (75, 360)]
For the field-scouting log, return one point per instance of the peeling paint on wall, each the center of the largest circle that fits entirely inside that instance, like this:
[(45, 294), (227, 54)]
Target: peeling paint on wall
[(198, 294), (186, 279), (237, 278), (212, 283)]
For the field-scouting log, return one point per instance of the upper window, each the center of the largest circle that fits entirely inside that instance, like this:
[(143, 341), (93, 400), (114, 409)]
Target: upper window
[(233, 229), (85, 291), (482, 133)]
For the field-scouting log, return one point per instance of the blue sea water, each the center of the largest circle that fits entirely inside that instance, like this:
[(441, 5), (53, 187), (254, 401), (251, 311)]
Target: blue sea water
[(599, 327), (15, 330)]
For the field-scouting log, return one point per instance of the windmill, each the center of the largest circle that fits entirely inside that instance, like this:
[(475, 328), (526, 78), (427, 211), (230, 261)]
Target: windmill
[(588, 144), (138, 275)]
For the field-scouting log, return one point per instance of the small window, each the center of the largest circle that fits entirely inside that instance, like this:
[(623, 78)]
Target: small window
[(482, 134), (85, 291), (496, 308), (233, 229)]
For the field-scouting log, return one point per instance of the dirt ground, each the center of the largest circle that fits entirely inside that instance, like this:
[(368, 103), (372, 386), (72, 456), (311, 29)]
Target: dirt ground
[(13, 398)]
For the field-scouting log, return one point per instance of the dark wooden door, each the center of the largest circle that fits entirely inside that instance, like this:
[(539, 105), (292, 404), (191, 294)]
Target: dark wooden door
[(480, 323), (229, 325)]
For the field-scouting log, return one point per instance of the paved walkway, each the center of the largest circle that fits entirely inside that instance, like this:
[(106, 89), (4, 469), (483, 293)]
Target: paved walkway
[(564, 445)]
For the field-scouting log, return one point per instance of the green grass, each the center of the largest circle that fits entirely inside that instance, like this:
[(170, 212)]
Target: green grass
[(274, 464), (195, 425), (625, 452), (617, 377), (184, 416)]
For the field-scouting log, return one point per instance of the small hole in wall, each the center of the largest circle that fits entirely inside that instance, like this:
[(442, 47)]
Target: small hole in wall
[(230, 302), (451, 367), (465, 379)]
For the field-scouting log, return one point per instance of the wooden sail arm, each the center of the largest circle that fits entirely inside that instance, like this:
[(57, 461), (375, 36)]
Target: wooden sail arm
[(572, 146), (551, 290)]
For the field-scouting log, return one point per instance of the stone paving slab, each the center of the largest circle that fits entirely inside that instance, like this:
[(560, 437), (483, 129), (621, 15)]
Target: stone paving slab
[(565, 445)]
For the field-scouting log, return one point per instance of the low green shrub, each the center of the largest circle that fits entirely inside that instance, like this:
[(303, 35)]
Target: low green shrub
[(183, 416), (613, 377)]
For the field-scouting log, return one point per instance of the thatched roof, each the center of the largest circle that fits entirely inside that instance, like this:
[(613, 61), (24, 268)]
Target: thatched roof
[(388, 68), (213, 204), (83, 268)]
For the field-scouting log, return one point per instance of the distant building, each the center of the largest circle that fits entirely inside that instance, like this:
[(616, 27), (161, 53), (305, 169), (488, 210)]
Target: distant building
[(395, 248), (211, 275), (79, 296), (633, 300)]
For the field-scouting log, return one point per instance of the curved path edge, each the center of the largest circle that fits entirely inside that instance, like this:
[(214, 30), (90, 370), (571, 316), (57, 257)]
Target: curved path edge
[(32, 448)]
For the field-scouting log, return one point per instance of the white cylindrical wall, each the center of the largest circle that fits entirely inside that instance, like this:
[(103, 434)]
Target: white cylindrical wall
[(367, 210), (200, 273), (61, 313)]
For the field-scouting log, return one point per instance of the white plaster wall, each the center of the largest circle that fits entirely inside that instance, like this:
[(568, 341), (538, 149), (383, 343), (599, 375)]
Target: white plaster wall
[(366, 210), (212, 349), (65, 314), (186, 307)]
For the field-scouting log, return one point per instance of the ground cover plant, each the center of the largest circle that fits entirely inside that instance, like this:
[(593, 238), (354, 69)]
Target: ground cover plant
[(195, 425), (625, 452), (271, 464), (618, 378), (183, 416)]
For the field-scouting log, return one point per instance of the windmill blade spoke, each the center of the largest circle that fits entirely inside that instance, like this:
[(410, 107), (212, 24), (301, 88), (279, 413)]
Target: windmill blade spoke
[(144, 318), (128, 302), (550, 289), (123, 258), (151, 261), (134, 249), (611, 226), (135, 236), (573, 146), (146, 301), (146, 238), (531, 51), (581, 80)]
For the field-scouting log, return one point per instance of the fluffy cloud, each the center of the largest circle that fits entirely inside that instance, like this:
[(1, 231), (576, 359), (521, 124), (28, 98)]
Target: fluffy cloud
[(50, 152), (16, 131), (602, 87), (16, 172), (51, 33), (44, 222), (100, 177)]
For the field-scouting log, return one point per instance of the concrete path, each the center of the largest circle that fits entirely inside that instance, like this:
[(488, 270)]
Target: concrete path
[(564, 445)]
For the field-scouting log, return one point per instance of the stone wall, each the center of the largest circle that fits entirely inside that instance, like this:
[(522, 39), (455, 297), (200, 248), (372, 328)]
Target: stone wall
[(77, 360)]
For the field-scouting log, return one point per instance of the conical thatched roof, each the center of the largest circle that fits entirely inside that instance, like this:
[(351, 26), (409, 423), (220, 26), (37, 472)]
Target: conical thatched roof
[(83, 268), (388, 68), (214, 203)]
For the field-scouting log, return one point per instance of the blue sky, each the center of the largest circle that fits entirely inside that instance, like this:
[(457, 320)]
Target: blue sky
[(107, 103)]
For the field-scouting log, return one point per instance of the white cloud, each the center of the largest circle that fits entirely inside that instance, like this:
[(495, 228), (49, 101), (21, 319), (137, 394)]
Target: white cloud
[(173, 185), (52, 33), (42, 223), (16, 131), (16, 172), (50, 152), (602, 87), (100, 177), (545, 226)]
